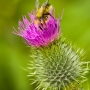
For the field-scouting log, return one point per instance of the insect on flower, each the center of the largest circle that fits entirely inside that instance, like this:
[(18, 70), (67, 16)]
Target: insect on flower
[(42, 28), (42, 13)]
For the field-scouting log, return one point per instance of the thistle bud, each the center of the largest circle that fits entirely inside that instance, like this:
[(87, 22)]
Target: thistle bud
[(58, 66)]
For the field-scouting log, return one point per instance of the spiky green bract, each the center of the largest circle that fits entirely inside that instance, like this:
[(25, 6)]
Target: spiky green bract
[(57, 66)]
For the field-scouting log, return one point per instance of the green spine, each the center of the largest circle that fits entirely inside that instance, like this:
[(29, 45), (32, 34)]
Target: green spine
[(58, 66)]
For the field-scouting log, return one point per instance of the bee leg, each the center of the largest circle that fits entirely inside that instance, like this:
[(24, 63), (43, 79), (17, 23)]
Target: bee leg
[(51, 15), (40, 28), (44, 22)]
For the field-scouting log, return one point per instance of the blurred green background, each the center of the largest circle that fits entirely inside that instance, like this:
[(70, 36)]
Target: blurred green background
[(14, 54)]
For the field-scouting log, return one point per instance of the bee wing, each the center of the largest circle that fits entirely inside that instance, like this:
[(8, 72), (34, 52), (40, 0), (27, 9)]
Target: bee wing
[(37, 4), (44, 4), (47, 1)]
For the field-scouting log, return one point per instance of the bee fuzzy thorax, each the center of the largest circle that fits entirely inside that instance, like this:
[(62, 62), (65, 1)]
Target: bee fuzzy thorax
[(39, 12), (43, 14)]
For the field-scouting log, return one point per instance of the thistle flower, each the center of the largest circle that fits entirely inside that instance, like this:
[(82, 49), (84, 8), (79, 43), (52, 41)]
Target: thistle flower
[(39, 32), (55, 67)]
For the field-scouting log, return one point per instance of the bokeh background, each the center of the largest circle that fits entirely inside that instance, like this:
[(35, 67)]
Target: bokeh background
[(14, 54)]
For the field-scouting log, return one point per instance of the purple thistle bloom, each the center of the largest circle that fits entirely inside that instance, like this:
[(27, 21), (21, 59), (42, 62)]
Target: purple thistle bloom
[(37, 34)]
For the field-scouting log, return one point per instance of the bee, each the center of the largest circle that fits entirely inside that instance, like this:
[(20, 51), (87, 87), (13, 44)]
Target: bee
[(43, 12)]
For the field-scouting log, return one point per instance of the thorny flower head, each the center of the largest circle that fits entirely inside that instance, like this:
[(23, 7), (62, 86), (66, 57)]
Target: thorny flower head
[(42, 28)]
